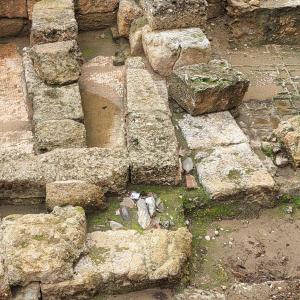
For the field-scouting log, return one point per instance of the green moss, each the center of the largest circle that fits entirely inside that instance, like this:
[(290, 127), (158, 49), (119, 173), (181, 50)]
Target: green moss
[(97, 255), (234, 174), (39, 237), (268, 151)]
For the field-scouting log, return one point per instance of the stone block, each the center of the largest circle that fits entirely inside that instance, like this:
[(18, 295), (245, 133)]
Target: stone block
[(169, 14), (142, 259), (288, 134), (211, 130), (11, 27), (30, 4), (43, 247), (96, 6), (171, 49), (57, 63), (75, 193), (206, 88), (32, 291), (13, 9), (236, 173), (216, 8), (128, 11), (54, 134), (53, 21), (135, 36)]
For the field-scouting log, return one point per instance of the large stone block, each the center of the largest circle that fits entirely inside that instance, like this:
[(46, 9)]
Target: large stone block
[(128, 11), (288, 133), (42, 247), (75, 193), (11, 27), (135, 36), (205, 88), (236, 173), (211, 130), (170, 14), (125, 257), (53, 21), (170, 49), (54, 134), (96, 6), (13, 8), (57, 63)]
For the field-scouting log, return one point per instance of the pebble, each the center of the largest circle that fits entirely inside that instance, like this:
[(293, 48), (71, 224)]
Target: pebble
[(281, 160), (190, 182), (115, 225), (144, 218), (150, 201), (188, 165), (217, 233), (124, 212), (207, 237), (135, 195)]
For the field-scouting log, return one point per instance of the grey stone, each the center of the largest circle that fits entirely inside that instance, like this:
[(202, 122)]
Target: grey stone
[(57, 63), (144, 218), (54, 134), (124, 212), (205, 88), (168, 14), (53, 21), (171, 49), (199, 294), (211, 130), (236, 172), (281, 160), (74, 192), (115, 225), (188, 165), (150, 201), (43, 247), (31, 291)]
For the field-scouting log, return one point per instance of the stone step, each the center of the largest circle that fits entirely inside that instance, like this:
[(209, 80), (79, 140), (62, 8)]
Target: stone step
[(226, 165), (53, 21), (151, 139)]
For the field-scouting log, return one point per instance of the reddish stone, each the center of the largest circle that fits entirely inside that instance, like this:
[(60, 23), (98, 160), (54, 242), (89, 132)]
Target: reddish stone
[(190, 182), (13, 8)]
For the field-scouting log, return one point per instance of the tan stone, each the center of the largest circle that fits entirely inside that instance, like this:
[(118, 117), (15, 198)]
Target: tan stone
[(11, 27), (74, 192), (135, 36), (97, 6), (30, 4), (13, 8), (190, 182)]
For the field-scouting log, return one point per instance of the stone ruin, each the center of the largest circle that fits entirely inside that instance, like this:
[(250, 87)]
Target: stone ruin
[(174, 104)]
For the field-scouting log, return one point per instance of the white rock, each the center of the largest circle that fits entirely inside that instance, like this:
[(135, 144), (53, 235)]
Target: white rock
[(150, 201)]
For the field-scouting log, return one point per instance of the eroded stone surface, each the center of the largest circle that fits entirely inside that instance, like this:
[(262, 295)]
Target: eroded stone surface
[(235, 172), (13, 9), (74, 192), (135, 36), (168, 14), (53, 21), (42, 247), (30, 292), (170, 49), (57, 63), (54, 134), (5, 292), (119, 258), (198, 294), (206, 88)]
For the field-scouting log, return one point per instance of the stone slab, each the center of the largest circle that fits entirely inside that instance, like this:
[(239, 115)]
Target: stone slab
[(12, 27), (53, 21), (236, 172), (168, 14), (13, 9), (206, 88), (212, 130), (170, 49)]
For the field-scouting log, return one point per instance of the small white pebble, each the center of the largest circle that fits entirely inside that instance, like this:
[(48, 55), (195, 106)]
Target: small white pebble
[(207, 237), (216, 233)]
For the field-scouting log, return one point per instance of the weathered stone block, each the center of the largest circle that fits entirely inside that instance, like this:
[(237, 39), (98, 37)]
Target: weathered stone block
[(43, 247), (211, 130), (11, 27), (87, 6), (75, 193), (169, 14), (288, 133), (170, 49), (142, 260), (13, 8), (235, 172), (31, 291), (30, 4), (216, 8), (53, 21), (128, 11), (59, 134), (206, 88), (57, 63), (135, 36), (5, 292)]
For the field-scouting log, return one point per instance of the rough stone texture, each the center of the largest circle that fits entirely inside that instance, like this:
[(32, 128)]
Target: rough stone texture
[(270, 22), (128, 11), (53, 21), (125, 258), (11, 27), (170, 49), (30, 292), (206, 88), (30, 4), (59, 134), (288, 133), (96, 14), (168, 14), (57, 63), (198, 294), (74, 192), (43, 247), (236, 172), (211, 130), (102, 90), (13, 9), (5, 292), (216, 8), (151, 139), (135, 36)]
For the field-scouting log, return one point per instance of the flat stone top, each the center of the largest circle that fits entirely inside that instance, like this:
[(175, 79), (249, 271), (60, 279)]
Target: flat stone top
[(53, 48), (54, 4), (211, 130), (217, 73), (96, 6), (279, 3)]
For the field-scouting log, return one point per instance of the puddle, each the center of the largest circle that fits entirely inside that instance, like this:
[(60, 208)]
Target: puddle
[(6, 210), (103, 119)]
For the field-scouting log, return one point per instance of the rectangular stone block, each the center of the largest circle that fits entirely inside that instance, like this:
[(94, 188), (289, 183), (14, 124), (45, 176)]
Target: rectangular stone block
[(236, 173), (205, 88), (171, 49), (53, 21), (175, 14), (13, 8)]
